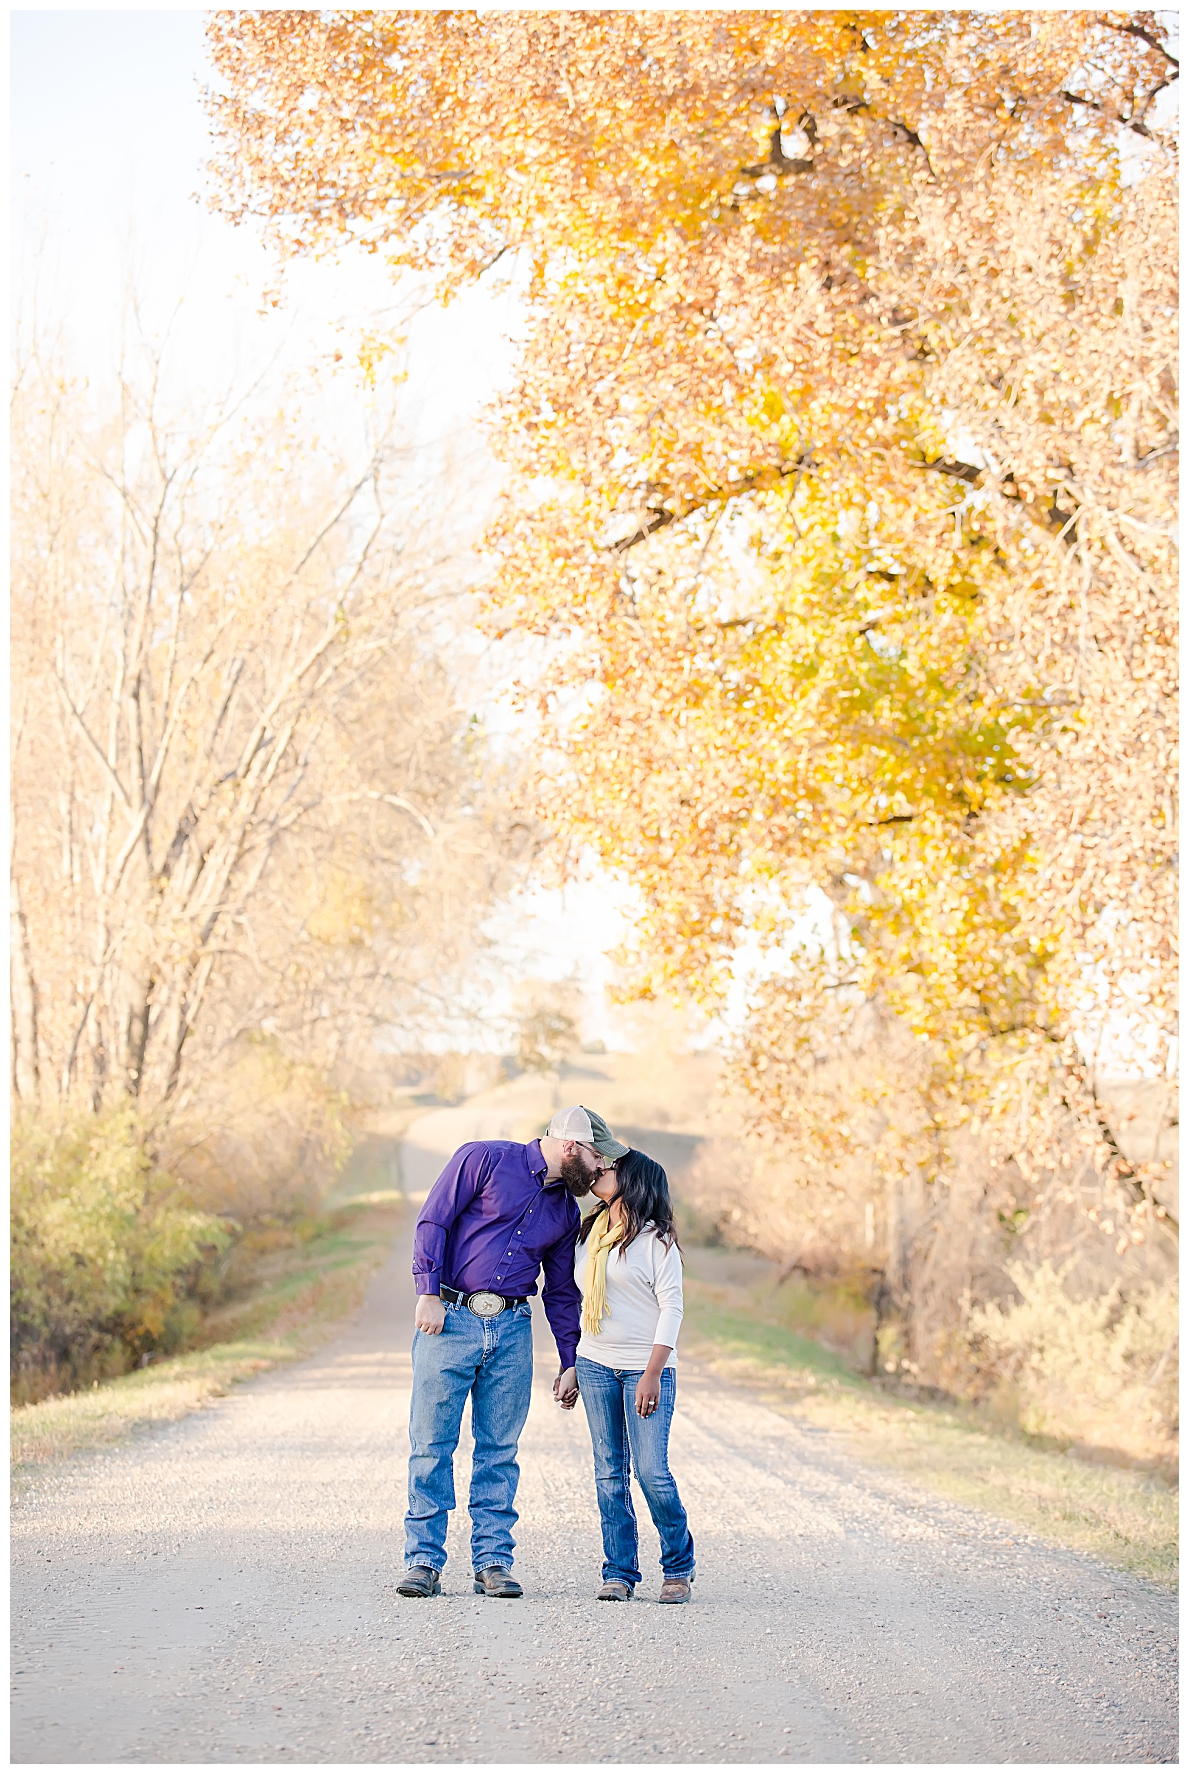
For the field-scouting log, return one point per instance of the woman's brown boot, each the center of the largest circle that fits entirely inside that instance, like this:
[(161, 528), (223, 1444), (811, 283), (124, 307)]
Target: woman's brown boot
[(675, 1589)]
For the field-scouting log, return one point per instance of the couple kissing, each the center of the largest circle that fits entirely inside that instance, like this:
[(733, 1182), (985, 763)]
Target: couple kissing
[(501, 1215)]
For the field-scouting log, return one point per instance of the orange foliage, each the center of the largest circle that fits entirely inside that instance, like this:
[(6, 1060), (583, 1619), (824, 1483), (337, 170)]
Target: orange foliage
[(842, 451)]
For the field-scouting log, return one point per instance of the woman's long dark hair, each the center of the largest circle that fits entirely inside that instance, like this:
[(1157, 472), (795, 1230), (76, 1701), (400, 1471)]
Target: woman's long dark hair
[(644, 1193)]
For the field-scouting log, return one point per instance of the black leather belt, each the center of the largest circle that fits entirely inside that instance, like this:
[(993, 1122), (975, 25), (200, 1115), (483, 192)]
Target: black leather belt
[(484, 1304)]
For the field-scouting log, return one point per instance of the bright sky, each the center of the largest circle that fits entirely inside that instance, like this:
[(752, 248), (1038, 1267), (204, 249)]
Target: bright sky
[(109, 143)]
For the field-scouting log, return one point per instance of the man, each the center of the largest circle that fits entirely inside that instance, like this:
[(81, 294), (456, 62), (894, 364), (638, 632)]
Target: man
[(498, 1214)]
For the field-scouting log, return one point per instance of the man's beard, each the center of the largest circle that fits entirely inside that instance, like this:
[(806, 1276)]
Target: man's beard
[(575, 1176)]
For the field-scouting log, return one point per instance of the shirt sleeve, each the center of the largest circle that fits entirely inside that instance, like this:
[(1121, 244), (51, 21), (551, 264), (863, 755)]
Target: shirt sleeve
[(454, 1190), (561, 1297), (669, 1296)]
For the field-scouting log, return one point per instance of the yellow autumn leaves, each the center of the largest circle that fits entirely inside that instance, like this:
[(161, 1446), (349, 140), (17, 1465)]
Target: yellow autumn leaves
[(841, 451)]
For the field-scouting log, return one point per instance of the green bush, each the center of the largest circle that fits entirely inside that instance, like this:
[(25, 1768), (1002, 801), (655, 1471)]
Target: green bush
[(1102, 1367), (106, 1252)]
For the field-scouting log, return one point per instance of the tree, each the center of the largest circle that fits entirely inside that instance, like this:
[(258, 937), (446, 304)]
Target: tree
[(842, 452), (250, 814)]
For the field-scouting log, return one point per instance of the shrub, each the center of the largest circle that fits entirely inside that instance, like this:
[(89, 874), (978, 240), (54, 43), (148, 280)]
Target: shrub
[(265, 1140), (1101, 1368), (105, 1251)]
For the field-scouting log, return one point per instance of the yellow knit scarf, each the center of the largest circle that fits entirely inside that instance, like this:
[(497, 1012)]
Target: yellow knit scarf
[(594, 1304)]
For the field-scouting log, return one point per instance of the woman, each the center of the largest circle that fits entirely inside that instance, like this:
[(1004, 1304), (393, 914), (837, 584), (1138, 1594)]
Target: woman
[(628, 1266)]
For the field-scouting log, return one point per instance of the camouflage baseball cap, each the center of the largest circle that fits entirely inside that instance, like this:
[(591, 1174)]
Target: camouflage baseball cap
[(603, 1140), (588, 1129)]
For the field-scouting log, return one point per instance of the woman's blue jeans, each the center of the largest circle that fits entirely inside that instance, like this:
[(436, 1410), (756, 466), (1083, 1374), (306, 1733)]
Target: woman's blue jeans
[(489, 1361), (622, 1438)]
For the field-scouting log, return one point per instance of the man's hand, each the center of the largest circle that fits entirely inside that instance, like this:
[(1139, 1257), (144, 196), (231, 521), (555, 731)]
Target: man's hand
[(565, 1388), (430, 1315)]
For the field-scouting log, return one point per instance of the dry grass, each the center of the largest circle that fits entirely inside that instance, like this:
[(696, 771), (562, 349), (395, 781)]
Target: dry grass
[(300, 1305), (1126, 1518)]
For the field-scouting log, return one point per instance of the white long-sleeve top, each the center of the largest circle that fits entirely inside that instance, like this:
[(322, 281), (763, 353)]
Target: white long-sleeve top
[(644, 1301)]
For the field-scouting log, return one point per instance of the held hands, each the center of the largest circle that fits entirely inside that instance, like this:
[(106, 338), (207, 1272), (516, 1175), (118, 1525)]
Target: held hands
[(430, 1315), (565, 1388)]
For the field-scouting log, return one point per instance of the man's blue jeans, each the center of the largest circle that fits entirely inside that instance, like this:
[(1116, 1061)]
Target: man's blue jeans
[(489, 1360), (621, 1436)]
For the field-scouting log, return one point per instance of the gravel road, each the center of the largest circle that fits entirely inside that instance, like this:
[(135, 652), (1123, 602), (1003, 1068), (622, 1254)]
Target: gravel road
[(223, 1590)]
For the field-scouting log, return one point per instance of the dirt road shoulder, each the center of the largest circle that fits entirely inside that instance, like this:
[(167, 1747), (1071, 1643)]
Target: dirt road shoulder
[(1128, 1519)]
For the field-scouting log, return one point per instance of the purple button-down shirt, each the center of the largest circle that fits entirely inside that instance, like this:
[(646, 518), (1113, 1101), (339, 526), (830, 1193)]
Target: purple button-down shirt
[(491, 1221)]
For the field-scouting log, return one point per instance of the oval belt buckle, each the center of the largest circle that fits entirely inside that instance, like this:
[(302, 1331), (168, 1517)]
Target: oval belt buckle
[(485, 1305)]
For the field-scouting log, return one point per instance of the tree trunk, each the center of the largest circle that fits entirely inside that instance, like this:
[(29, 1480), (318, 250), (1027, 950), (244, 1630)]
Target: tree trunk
[(25, 1057), (138, 1040)]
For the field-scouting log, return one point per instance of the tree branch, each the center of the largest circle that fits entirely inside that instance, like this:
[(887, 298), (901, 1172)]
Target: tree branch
[(759, 481), (778, 161), (93, 743), (1134, 123), (945, 465), (1145, 36), (406, 806)]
